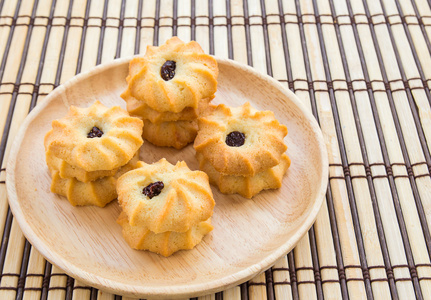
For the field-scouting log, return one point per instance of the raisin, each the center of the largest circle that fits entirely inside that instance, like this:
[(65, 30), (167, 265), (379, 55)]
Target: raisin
[(153, 189), (235, 139), (168, 70), (94, 132)]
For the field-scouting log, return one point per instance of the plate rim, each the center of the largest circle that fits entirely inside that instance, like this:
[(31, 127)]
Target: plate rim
[(187, 290)]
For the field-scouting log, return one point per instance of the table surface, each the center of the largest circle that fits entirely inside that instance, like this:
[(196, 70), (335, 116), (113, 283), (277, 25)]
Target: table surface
[(363, 68)]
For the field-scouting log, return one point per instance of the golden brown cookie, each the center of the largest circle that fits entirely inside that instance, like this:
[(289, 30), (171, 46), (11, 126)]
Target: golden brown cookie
[(172, 77), (165, 243), (246, 186), (240, 141), (170, 134), (95, 138), (68, 171), (164, 197), (99, 192), (139, 109)]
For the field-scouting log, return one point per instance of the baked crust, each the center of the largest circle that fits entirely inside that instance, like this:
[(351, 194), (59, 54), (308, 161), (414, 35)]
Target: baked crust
[(262, 148), (99, 192), (121, 139), (246, 186), (185, 200), (165, 243), (195, 76)]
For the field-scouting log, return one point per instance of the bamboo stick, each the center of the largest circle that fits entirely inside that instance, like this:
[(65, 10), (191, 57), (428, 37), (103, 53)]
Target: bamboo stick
[(339, 190), (257, 288), (57, 284), (404, 190), (304, 269), (360, 187), (184, 20), (424, 11), (281, 277), (202, 25), (129, 31), (92, 37), (12, 265), (101, 295), (34, 276), (232, 293), (80, 291), (276, 50), (111, 31), (16, 240), (165, 20), (238, 32), (385, 193), (147, 27), (207, 297), (256, 36), (74, 36), (58, 279), (220, 29)]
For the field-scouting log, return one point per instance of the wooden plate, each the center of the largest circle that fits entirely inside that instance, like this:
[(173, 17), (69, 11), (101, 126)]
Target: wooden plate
[(248, 237)]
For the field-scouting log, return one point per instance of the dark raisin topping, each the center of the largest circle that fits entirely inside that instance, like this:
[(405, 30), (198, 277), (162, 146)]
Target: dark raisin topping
[(94, 132), (235, 139), (153, 189), (168, 70)]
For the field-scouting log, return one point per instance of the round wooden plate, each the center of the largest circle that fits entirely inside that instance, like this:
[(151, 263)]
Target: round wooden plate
[(248, 237)]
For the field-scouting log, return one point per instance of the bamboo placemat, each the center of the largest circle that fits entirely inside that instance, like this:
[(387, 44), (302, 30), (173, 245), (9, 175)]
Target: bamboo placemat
[(362, 67)]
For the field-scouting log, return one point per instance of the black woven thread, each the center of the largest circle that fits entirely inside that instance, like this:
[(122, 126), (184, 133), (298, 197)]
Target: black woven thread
[(211, 26), (400, 217), (70, 281), (2, 69), (46, 280), (268, 274), (9, 218), (269, 285), (422, 26), (313, 246), (193, 20), (418, 124), (102, 32), (369, 178), (292, 274), (300, 20), (413, 49), (334, 229), (219, 296), (250, 62), (120, 29), (351, 196), (413, 107), (247, 33), (285, 47), (23, 271), (156, 24), (316, 264), (266, 39), (84, 33), (421, 136), (244, 291), (138, 28), (175, 18), (5, 238), (312, 239), (48, 266), (229, 30)]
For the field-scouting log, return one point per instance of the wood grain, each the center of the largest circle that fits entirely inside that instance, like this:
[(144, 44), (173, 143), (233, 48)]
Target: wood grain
[(249, 235)]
